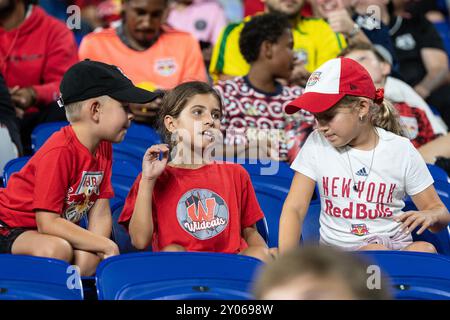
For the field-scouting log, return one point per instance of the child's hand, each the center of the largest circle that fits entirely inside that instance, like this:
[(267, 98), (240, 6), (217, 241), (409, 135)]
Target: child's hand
[(152, 166), (412, 219), (110, 250)]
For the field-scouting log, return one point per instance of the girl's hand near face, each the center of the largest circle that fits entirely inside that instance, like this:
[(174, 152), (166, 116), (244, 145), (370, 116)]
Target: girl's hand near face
[(152, 165)]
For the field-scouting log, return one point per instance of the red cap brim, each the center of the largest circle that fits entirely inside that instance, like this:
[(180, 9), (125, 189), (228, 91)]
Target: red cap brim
[(314, 102)]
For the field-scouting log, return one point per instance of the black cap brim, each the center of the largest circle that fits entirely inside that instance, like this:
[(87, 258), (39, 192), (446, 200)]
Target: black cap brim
[(134, 95)]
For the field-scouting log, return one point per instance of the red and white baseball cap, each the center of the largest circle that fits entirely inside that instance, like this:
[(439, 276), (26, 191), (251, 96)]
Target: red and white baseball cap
[(333, 80)]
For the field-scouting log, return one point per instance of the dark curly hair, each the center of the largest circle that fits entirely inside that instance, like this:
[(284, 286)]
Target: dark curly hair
[(265, 27)]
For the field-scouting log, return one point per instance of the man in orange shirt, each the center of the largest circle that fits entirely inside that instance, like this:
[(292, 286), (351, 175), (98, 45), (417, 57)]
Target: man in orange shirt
[(150, 53)]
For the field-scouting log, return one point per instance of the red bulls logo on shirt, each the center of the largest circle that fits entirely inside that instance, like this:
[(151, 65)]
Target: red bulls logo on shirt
[(359, 229), (202, 213), (80, 202)]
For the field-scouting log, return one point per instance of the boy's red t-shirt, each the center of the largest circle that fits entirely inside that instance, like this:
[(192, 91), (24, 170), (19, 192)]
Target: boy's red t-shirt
[(204, 209), (62, 177)]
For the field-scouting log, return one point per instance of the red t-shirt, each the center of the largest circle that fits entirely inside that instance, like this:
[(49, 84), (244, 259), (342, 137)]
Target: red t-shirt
[(204, 209), (62, 177)]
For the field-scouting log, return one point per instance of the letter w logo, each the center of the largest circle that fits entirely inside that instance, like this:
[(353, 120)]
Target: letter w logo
[(200, 214)]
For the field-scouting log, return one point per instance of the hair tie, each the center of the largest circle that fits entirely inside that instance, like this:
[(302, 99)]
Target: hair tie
[(379, 96)]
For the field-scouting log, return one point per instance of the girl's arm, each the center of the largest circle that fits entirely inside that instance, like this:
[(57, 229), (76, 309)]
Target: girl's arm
[(294, 211), (432, 213), (141, 222)]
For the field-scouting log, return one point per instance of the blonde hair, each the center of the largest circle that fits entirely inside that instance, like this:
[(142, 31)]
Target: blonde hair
[(73, 110), (320, 261), (382, 115)]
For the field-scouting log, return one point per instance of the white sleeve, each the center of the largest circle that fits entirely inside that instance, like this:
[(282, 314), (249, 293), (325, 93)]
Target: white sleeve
[(418, 177), (305, 161)]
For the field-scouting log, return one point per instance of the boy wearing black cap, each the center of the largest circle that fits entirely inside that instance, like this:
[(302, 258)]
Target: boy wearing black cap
[(70, 175)]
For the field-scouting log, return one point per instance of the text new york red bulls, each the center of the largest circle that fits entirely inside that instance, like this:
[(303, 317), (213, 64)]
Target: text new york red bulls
[(378, 194)]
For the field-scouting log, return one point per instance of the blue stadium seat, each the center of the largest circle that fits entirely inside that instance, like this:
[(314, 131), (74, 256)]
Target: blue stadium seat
[(440, 240), (13, 166), (119, 234), (144, 133), (311, 224), (33, 278), (176, 276), (414, 275), (271, 202), (43, 131)]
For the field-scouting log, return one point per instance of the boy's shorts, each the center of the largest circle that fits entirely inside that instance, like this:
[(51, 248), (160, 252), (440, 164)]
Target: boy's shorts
[(8, 236)]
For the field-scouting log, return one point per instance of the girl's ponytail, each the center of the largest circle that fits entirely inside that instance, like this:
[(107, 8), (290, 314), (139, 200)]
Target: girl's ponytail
[(384, 115)]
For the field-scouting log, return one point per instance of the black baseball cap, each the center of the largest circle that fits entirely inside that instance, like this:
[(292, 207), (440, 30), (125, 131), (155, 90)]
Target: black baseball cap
[(89, 79)]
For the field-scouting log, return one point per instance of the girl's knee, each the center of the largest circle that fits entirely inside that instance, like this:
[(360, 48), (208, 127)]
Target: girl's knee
[(56, 248), (373, 246), (421, 246), (174, 248)]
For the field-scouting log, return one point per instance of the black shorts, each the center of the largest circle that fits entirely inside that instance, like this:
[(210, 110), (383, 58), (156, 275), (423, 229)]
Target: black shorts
[(8, 236)]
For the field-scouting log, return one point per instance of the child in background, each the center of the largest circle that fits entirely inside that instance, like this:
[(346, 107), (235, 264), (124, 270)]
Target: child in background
[(254, 120), (363, 169), (191, 203), (70, 175)]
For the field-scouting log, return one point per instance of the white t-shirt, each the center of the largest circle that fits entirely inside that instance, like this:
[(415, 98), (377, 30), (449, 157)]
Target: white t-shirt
[(349, 217), (399, 91)]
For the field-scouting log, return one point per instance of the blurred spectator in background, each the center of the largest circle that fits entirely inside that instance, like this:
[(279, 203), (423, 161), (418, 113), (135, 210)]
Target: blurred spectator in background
[(151, 54), (356, 20), (421, 54), (253, 120), (318, 273), (314, 43), (35, 51), (10, 144), (204, 19)]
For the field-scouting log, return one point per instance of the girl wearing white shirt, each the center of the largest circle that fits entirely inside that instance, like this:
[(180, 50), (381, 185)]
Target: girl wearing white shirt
[(362, 166)]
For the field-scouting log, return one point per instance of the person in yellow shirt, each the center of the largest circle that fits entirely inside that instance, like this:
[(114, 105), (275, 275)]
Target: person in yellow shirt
[(314, 43)]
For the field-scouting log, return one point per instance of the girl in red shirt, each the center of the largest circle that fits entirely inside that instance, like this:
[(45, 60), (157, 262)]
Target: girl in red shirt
[(191, 203)]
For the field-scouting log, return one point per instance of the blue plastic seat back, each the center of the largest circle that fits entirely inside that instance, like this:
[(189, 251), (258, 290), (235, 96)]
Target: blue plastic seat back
[(33, 278), (181, 275), (438, 173), (119, 233), (311, 224), (124, 174), (271, 202), (443, 29), (144, 133), (12, 167), (414, 275), (43, 131)]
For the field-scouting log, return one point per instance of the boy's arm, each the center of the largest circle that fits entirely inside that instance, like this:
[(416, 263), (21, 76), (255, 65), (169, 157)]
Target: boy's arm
[(294, 211), (100, 218), (53, 224)]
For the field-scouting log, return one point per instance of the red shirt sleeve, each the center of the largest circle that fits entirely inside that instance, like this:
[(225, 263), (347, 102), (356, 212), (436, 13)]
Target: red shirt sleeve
[(51, 180), (251, 212), (106, 189), (61, 55), (130, 202)]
